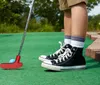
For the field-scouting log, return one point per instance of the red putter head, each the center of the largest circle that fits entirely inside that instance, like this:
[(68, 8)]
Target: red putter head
[(17, 64)]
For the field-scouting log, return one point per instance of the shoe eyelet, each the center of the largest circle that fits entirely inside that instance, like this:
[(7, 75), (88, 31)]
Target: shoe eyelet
[(66, 46), (74, 49)]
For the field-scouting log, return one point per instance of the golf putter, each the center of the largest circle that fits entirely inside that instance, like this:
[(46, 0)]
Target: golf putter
[(17, 64)]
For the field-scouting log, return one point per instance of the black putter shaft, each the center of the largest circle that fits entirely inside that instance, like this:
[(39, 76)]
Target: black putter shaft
[(24, 34)]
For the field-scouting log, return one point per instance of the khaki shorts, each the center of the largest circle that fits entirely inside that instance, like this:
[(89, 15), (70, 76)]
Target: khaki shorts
[(66, 4)]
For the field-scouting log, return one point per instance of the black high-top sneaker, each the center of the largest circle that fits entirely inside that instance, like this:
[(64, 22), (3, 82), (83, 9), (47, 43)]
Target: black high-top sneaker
[(56, 54), (70, 59)]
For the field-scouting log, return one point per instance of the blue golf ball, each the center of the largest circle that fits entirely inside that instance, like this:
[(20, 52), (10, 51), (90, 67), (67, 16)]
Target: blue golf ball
[(12, 61)]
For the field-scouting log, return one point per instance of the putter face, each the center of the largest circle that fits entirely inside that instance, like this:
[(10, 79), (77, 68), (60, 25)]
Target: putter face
[(17, 64), (11, 65)]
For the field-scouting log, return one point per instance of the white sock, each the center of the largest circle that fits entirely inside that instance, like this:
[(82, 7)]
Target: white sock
[(77, 42), (67, 39)]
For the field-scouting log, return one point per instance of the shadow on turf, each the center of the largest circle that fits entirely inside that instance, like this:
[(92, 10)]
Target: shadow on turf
[(65, 70), (51, 71)]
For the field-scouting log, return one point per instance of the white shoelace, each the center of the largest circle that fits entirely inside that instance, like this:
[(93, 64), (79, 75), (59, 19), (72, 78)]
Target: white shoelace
[(60, 50), (64, 56)]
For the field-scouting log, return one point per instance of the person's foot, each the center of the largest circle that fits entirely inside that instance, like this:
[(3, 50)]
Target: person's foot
[(71, 59), (54, 55)]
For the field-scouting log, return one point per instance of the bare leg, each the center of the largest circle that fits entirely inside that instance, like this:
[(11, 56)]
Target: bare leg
[(79, 20), (67, 23)]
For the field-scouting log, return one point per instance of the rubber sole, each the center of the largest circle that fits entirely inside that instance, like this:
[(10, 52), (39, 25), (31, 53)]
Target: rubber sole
[(62, 68)]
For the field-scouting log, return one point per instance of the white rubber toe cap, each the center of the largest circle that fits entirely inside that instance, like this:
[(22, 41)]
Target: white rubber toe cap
[(48, 62), (42, 58)]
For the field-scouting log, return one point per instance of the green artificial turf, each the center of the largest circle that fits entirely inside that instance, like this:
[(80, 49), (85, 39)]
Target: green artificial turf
[(32, 73)]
